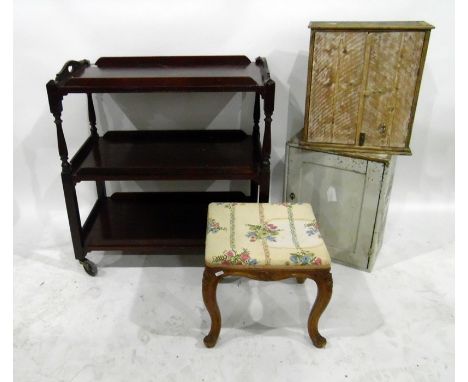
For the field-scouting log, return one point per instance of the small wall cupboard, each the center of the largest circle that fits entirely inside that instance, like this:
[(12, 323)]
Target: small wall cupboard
[(363, 85)]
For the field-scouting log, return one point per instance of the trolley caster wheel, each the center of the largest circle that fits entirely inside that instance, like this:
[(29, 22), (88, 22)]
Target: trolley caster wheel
[(89, 267)]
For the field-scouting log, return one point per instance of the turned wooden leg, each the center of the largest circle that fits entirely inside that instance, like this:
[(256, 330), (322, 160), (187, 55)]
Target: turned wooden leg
[(300, 279), (209, 284), (253, 191), (324, 283), (264, 193)]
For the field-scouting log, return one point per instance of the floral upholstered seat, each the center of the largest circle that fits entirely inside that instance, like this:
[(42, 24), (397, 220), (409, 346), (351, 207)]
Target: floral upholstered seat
[(264, 235), (266, 242)]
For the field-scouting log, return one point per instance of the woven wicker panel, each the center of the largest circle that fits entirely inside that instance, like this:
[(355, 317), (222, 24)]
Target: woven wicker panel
[(411, 50), (381, 80), (391, 79), (335, 85)]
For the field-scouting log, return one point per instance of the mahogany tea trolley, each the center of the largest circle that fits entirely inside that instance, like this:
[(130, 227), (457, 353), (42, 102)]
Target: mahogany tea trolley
[(159, 221)]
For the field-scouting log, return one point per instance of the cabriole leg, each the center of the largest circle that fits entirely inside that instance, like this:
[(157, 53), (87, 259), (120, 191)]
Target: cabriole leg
[(209, 285), (324, 292)]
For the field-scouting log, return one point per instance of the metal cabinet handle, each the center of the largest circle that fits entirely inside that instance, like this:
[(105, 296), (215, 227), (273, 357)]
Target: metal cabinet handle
[(362, 138)]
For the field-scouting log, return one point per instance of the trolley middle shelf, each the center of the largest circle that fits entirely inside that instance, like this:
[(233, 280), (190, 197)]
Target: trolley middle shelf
[(168, 155)]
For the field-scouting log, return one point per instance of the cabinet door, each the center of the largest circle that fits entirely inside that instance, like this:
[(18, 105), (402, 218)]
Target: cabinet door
[(336, 81), (362, 88), (392, 72), (344, 193)]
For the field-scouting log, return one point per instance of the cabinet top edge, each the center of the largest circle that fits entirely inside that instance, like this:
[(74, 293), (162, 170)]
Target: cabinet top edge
[(369, 156), (371, 25)]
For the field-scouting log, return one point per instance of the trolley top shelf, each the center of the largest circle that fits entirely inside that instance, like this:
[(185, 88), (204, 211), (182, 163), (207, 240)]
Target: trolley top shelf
[(163, 74)]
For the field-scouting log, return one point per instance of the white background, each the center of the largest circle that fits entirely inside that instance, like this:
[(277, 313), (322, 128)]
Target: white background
[(48, 33), (411, 288)]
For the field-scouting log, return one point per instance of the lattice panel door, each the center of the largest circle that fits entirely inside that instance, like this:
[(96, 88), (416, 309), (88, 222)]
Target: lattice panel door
[(363, 86)]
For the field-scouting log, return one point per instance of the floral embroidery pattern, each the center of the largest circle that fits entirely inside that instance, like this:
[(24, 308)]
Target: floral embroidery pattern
[(292, 227), (266, 250), (312, 228), (262, 231), (213, 226), (305, 258), (233, 257)]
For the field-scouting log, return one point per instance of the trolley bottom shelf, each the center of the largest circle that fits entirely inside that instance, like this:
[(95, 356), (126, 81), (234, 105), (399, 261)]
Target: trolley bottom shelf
[(154, 222)]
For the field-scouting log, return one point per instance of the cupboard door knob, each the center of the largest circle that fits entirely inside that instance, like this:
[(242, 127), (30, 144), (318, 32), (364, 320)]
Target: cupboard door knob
[(292, 196), (383, 128)]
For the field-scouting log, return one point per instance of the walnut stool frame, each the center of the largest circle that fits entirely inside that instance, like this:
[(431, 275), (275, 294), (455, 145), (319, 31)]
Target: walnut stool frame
[(322, 277)]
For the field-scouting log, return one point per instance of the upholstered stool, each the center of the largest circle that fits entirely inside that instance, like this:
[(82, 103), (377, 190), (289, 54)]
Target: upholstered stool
[(265, 242)]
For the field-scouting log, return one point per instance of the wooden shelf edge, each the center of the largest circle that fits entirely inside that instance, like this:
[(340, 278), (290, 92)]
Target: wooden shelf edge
[(74, 78), (183, 196), (229, 171), (127, 221), (153, 61)]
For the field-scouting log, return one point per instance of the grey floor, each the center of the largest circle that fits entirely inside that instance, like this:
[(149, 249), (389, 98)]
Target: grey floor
[(142, 318)]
